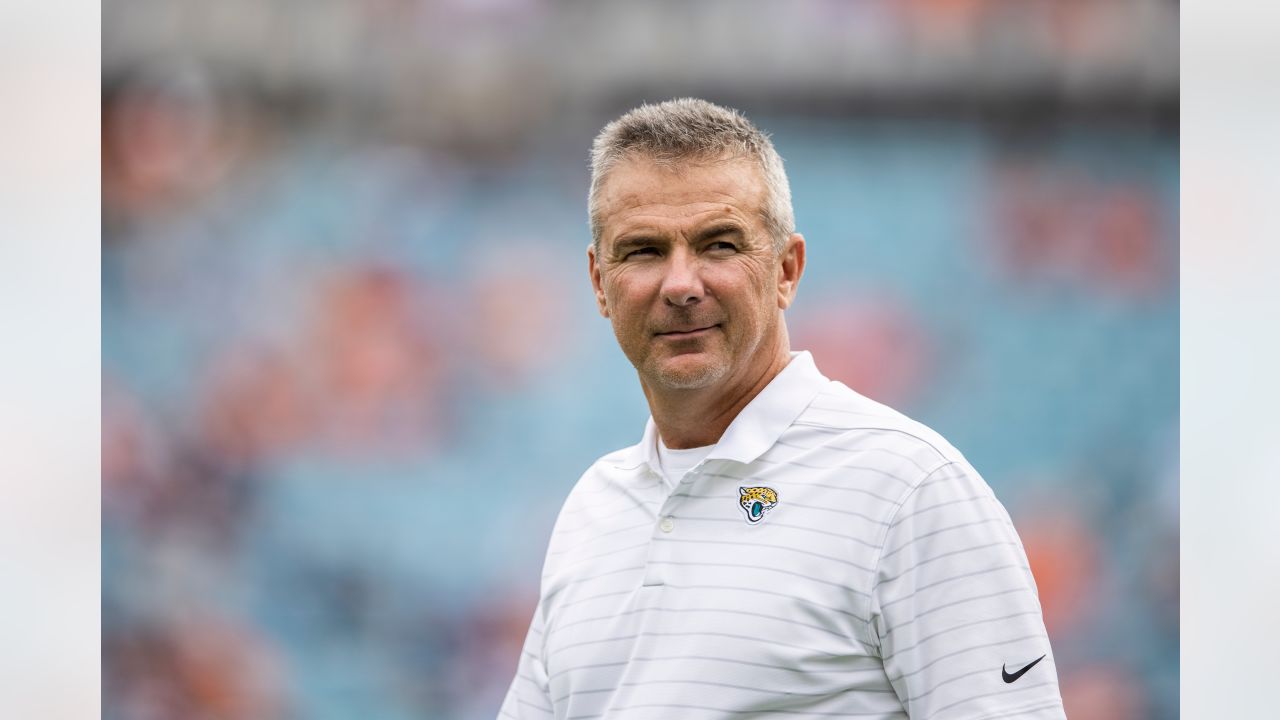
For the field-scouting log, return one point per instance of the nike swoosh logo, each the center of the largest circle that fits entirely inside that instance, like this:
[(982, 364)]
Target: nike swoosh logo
[(1010, 678)]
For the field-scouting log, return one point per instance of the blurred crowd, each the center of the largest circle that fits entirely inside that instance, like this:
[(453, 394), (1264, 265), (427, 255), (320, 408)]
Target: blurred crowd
[(350, 373)]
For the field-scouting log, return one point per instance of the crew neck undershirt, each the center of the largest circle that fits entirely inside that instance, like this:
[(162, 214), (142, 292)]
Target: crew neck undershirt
[(675, 463)]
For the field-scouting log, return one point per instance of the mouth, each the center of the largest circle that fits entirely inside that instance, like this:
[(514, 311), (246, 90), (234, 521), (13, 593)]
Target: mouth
[(690, 333)]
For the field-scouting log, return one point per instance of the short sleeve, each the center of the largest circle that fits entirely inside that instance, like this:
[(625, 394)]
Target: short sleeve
[(955, 610), (529, 698)]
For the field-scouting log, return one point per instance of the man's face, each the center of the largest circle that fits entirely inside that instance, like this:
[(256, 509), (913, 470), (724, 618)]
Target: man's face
[(687, 273)]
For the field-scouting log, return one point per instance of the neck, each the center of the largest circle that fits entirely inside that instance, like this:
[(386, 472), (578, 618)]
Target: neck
[(694, 418)]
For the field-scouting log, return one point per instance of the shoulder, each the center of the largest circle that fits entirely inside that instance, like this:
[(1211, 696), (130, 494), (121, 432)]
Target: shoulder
[(840, 418), (607, 474), (607, 497), (934, 485), (603, 483)]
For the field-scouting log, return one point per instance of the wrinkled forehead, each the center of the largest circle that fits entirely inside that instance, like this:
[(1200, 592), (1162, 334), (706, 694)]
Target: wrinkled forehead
[(639, 186)]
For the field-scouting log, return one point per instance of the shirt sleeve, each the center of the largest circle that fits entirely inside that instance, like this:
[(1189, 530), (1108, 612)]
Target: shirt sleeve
[(529, 697), (955, 608)]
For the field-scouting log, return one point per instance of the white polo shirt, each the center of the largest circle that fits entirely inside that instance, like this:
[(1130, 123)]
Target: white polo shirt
[(829, 557)]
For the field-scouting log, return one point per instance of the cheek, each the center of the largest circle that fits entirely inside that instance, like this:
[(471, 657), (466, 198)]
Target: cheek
[(631, 287), (751, 295), (626, 306)]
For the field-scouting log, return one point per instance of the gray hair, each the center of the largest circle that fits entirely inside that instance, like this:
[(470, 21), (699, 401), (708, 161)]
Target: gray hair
[(692, 129)]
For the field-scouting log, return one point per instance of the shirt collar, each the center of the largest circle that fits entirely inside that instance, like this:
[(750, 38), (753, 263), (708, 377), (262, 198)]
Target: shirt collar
[(759, 424)]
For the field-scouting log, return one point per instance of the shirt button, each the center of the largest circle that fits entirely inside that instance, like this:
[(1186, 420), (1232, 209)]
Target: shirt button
[(667, 524)]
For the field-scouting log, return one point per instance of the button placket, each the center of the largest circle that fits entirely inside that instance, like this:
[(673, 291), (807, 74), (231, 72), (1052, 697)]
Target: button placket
[(655, 572)]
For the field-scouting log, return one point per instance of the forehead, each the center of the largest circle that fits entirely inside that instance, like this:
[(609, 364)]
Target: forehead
[(640, 190)]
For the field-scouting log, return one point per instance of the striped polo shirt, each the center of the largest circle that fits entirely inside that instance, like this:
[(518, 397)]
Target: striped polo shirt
[(829, 557)]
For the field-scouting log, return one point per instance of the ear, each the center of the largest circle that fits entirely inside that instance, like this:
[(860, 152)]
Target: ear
[(790, 268), (593, 268)]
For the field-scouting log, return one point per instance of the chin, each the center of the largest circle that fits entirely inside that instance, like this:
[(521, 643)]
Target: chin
[(680, 374)]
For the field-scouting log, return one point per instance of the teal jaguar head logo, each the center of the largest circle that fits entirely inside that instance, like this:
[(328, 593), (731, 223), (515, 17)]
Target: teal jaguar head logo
[(756, 501)]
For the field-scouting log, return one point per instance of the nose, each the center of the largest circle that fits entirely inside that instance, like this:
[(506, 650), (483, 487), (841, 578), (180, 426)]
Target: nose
[(682, 283)]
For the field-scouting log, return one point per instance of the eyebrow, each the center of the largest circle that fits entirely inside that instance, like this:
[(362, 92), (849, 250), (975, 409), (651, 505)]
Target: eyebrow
[(717, 230), (644, 239)]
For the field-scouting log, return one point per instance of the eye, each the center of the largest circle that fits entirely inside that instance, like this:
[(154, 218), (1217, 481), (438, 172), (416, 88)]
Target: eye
[(722, 246), (641, 252)]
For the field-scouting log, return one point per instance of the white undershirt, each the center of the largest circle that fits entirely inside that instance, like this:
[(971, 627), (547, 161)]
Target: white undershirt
[(675, 463)]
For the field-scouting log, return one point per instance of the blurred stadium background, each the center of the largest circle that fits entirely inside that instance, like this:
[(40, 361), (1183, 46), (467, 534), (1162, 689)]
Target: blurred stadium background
[(351, 364)]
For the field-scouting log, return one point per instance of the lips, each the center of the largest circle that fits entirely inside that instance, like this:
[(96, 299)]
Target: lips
[(687, 332)]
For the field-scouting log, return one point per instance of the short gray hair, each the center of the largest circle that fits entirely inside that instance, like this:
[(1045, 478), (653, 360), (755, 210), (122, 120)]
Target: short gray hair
[(692, 129)]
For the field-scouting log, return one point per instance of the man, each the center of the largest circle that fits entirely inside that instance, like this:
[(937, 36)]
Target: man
[(776, 544)]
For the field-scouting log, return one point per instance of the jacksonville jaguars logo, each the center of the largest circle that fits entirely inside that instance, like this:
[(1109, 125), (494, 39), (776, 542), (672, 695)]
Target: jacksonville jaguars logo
[(756, 501)]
